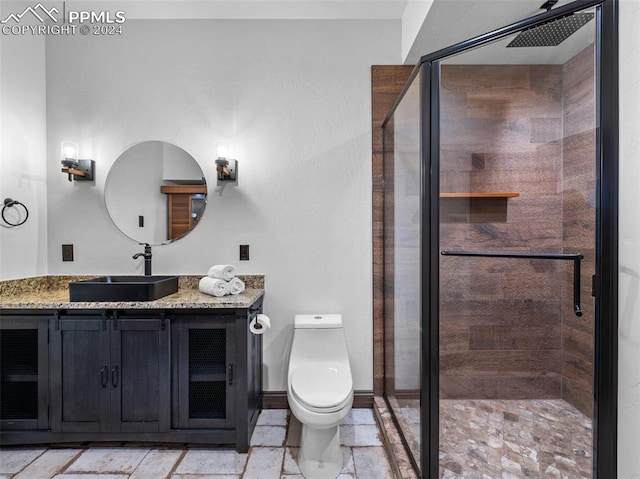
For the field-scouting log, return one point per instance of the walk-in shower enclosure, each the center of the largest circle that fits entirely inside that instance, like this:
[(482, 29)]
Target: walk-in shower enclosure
[(500, 266)]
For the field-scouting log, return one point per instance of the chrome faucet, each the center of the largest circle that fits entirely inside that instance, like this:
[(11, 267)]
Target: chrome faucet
[(147, 258)]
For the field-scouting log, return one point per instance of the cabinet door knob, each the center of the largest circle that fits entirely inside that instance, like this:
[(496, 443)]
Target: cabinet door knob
[(231, 374), (114, 376), (104, 376)]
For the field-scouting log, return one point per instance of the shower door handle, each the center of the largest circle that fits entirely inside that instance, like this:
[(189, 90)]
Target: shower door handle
[(595, 286)]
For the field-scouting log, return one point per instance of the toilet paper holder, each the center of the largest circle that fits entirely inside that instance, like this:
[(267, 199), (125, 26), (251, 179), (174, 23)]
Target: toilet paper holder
[(259, 324)]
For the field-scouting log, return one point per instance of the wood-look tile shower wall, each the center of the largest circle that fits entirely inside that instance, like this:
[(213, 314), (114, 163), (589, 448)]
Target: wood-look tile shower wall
[(578, 206), (507, 327)]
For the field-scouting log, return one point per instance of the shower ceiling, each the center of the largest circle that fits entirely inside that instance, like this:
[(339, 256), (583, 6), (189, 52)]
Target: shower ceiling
[(447, 22), (474, 17)]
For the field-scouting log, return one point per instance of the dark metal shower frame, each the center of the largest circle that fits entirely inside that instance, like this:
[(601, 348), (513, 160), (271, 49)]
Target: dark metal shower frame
[(575, 257), (606, 260)]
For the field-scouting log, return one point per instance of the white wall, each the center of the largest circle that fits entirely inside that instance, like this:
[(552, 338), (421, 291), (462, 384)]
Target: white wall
[(22, 152), (629, 325), (413, 18), (291, 98)]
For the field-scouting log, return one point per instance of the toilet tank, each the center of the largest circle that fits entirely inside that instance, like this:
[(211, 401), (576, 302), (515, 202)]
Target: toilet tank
[(318, 338), (317, 321)]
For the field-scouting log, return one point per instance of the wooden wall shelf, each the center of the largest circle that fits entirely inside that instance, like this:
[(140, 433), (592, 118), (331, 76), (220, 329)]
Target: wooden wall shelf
[(183, 189), (479, 195)]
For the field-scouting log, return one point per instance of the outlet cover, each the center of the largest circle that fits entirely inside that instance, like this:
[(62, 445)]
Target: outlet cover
[(244, 252), (67, 252)]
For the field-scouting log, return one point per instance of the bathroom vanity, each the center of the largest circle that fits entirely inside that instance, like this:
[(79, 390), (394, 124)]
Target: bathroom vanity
[(184, 368)]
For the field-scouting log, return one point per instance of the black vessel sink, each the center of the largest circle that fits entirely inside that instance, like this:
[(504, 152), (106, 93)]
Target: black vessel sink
[(123, 288)]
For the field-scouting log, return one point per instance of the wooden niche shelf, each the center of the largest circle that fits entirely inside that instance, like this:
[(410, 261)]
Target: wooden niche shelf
[(183, 189), (470, 207), (480, 195)]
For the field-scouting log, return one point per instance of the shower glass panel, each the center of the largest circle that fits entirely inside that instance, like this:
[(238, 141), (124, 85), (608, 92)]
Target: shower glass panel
[(517, 157), (402, 265)]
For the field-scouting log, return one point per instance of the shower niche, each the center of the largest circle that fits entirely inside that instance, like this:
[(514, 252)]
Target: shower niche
[(492, 160), (475, 207)]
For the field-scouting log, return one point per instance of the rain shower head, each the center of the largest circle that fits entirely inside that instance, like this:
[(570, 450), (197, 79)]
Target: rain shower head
[(553, 33)]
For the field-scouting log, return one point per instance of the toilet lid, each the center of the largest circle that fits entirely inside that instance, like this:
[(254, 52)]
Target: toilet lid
[(322, 385)]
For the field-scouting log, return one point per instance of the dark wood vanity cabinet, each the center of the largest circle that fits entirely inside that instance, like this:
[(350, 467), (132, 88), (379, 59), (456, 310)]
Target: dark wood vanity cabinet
[(24, 373), (217, 375), (109, 373), (179, 375), (203, 373)]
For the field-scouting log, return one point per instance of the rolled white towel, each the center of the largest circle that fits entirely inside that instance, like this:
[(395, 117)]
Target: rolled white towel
[(236, 286), (222, 271), (214, 286)]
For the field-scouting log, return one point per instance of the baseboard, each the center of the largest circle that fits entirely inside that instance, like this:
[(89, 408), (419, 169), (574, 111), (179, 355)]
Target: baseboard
[(278, 400), (407, 394), (274, 400)]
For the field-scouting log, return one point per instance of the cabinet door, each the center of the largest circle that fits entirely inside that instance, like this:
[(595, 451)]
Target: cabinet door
[(203, 366), (139, 375), (24, 373), (79, 375)]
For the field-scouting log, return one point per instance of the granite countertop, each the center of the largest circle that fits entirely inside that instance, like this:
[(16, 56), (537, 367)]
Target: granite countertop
[(52, 292)]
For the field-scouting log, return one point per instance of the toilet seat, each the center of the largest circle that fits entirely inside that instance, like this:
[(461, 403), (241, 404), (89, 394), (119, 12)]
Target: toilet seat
[(324, 387)]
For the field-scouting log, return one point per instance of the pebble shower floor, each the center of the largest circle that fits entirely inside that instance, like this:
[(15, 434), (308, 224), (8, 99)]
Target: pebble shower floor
[(508, 439)]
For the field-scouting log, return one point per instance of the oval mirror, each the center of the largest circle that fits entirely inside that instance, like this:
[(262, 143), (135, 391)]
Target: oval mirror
[(155, 192)]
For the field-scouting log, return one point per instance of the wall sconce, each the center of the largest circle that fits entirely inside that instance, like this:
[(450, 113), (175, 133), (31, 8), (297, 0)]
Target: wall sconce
[(226, 168), (78, 170)]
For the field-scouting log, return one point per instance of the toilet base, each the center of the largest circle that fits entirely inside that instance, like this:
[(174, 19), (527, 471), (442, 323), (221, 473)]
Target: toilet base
[(320, 456)]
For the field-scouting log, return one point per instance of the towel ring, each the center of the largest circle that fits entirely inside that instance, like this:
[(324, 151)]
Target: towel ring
[(9, 203)]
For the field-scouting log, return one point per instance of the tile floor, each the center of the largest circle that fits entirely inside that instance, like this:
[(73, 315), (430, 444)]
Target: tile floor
[(272, 455)]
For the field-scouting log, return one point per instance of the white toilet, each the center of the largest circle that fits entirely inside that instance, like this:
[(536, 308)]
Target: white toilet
[(320, 391)]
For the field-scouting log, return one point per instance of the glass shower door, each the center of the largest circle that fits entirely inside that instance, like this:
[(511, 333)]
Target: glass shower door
[(517, 175), (402, 219)]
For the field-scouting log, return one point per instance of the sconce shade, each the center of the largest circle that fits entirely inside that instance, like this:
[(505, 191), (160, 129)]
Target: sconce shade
[(69, 150), (222, 151)]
